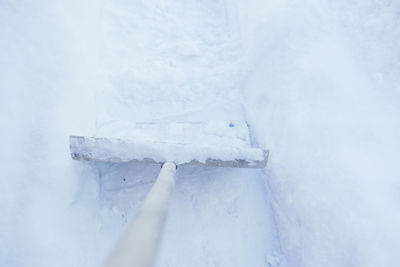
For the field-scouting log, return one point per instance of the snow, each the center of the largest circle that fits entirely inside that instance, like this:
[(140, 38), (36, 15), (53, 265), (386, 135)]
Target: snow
[(327, 88), (223, 142), (318, 82)]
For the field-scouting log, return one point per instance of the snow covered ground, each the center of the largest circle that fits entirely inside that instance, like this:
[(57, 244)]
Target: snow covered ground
[(318, 81), (327, 84)]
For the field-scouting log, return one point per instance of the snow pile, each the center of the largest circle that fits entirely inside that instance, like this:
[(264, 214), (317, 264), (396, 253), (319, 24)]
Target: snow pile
[(45, 93), (183, 143), (324, 97)]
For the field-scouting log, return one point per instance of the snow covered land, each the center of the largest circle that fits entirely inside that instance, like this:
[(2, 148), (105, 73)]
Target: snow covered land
[(318, 81)]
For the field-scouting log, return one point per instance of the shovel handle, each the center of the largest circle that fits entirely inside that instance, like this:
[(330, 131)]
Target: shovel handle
[(138, 246)]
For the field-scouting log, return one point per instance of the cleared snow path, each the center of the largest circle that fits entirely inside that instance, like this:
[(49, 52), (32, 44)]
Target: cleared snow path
[(180, 61), (171, 60)]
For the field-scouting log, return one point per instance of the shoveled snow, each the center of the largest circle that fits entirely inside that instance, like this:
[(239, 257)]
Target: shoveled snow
[(176, 142)]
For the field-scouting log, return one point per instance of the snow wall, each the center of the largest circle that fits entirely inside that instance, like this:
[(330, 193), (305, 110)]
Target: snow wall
[(323, 95), (48, 77)]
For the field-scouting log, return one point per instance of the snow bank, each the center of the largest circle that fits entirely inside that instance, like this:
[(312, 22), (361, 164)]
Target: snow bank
[(47, 71), (323, 95)]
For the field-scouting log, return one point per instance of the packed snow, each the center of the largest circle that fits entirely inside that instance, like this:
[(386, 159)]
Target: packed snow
[(222, 142), (318, 82)]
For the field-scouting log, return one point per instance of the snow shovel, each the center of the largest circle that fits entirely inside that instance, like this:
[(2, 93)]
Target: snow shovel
[(171, 145)]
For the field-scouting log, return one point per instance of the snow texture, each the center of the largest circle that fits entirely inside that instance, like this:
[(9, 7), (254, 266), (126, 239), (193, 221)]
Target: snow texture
[(223, 143), (318, 82)]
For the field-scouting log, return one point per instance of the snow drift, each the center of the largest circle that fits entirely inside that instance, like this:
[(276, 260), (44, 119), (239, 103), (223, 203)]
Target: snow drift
[(323, 94)]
